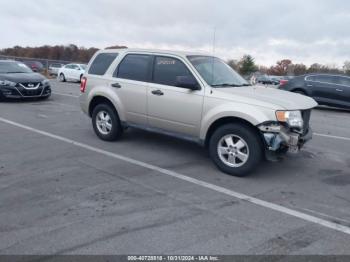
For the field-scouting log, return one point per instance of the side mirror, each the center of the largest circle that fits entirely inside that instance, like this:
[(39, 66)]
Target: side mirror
[(187, 82)]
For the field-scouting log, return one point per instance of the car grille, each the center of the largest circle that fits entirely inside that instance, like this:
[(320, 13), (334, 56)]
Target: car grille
[(30, 89), (36, 92), (306, 114), (30, 84)]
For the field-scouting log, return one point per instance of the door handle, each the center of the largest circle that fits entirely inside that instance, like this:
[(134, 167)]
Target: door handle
[(309, 85), (157, 92), (339, 90), (116, 85)]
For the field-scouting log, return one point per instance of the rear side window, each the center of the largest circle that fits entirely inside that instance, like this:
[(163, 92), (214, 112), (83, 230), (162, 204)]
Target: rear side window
[(343, 81), (167, 69), (101, 63), (135, 67)]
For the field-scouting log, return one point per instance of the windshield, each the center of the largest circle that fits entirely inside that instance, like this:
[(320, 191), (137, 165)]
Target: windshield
[(13, 67), (215, 72), (83, 67)]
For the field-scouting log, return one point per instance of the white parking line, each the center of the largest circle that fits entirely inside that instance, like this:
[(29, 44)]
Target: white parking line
[(61, 94), (243, 197), (334, 137)]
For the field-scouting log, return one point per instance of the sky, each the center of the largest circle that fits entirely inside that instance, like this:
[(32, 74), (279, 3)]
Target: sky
[(305, 31)]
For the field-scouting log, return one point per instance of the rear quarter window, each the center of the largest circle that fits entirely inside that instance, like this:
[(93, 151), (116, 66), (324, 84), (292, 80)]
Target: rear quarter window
[(325, 79), (311, 78), (101, 63)]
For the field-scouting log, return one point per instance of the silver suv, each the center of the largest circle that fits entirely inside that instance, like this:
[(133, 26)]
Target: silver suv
[(197, 97)]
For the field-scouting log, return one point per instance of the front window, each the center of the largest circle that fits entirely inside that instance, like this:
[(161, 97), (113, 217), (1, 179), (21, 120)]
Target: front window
[(215, 72), (14, 67), (168, 69)]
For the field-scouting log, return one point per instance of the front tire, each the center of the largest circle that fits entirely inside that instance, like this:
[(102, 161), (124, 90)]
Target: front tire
[(236, 149), (106, 123)]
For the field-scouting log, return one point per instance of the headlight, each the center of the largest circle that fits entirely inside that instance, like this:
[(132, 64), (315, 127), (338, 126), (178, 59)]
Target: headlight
[(292, 118), (45, 82), (6, 83)]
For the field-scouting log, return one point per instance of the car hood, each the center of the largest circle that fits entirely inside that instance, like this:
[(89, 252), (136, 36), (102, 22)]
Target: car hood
[(266, 97), (22, 77)]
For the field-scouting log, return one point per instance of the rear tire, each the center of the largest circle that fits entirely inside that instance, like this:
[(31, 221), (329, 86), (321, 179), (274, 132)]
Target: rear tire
[(62, 78), (106, 123), (236, 149)]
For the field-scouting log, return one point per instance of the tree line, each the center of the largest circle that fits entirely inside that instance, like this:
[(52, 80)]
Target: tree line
[(245, 66), (58, 52)]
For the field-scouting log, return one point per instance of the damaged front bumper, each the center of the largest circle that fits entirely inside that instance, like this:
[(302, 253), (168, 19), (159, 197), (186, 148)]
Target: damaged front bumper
[(280, 139)]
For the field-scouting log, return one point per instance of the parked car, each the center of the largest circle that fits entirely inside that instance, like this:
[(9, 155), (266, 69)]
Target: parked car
[(326, 89), (264, 79), (19, 81), (53, 68), (71, 72), (276, 79), (196, 97), (35, 66)]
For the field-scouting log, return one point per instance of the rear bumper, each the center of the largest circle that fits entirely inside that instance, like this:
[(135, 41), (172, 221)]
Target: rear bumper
[(84, 105)]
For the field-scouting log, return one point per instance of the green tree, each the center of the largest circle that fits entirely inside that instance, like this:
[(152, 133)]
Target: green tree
[(247, 65)]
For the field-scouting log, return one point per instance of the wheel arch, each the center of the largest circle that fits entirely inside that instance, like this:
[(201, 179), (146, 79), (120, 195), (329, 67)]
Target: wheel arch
[(228, 120), (100, 94), (300, 89), (97, 100)]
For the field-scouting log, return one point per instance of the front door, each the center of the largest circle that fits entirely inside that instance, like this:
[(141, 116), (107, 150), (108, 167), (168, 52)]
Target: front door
[(172, 108)]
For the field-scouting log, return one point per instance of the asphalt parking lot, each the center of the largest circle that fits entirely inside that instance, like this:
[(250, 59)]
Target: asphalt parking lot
[(64, 191)]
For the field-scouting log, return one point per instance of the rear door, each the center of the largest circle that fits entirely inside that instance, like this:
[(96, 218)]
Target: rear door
[(67, 71), (75, 72), (323, 88), (172, 108), (130, 82), (343, 90)]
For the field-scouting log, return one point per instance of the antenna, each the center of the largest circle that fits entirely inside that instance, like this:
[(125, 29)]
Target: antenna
[(214, 40)]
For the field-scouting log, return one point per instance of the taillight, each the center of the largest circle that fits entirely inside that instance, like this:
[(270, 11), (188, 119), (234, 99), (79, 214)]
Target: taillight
[(83, 84), (283, 82)]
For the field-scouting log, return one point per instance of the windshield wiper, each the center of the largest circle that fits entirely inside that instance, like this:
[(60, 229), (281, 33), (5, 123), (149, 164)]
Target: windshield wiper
[(225, 85), (15, 72), (229, 85)]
